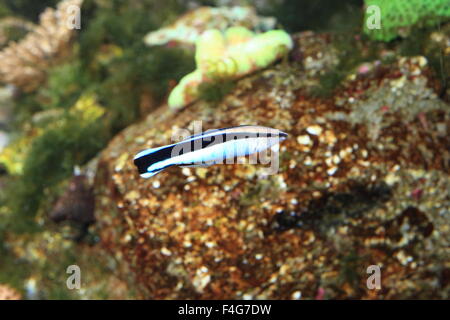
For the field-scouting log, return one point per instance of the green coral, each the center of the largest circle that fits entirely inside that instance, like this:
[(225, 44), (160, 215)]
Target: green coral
[(399, 15), (229, 55)]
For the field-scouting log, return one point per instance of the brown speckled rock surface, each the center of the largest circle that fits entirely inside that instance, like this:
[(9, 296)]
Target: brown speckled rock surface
[(363, 180)]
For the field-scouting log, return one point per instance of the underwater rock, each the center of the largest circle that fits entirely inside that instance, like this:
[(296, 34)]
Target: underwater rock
[(363, 180), (191, 25), (229, 55)]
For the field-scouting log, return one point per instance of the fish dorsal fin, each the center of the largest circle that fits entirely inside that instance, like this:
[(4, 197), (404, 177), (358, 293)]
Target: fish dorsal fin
[(212, 131), (202, 133)]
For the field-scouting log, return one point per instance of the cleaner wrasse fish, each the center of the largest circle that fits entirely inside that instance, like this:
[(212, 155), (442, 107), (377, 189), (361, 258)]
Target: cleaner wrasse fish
[(208, 148)]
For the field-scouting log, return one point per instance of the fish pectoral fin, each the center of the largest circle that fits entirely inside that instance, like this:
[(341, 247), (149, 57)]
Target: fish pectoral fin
[(147, 175)]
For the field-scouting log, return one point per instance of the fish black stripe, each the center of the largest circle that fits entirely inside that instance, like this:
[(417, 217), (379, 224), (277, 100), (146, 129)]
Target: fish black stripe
[(144, 162)]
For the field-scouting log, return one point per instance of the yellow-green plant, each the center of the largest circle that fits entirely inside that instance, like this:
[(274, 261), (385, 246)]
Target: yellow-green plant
[(229, 55)]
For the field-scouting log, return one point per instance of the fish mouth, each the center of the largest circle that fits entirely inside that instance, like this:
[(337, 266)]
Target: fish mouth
[(283, 135)]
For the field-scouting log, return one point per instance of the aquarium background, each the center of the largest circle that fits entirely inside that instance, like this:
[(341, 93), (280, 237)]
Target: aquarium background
[(363, 178)]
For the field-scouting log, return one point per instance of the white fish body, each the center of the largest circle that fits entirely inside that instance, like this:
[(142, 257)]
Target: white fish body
[(207, 148)]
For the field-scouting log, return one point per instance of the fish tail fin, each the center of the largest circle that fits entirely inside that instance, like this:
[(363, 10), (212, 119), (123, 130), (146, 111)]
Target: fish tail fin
[(145, 159)]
